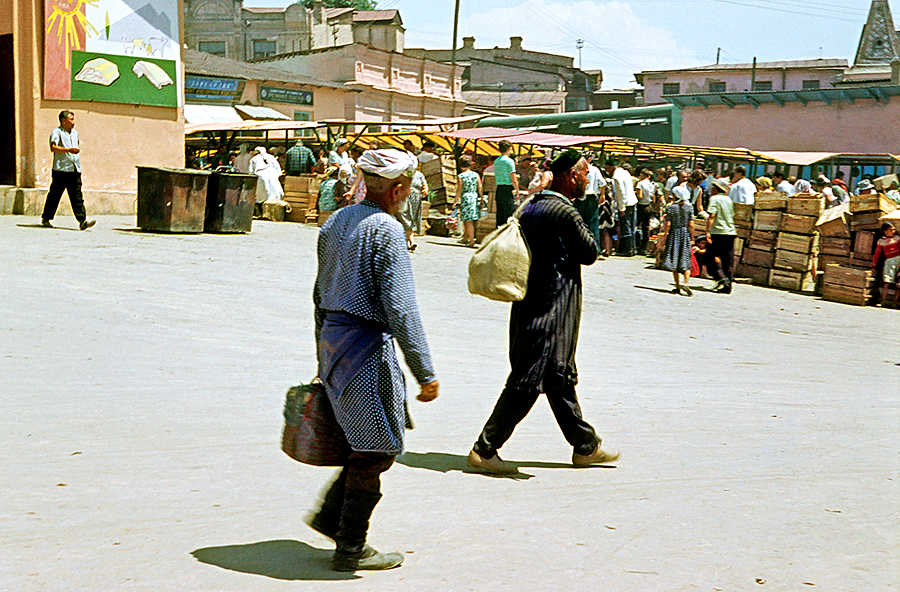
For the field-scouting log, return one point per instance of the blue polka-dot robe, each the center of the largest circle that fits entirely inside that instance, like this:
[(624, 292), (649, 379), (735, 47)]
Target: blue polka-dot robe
[(365, 274)]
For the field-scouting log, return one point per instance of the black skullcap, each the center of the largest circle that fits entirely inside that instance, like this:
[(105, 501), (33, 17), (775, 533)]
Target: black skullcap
[(565, 161)]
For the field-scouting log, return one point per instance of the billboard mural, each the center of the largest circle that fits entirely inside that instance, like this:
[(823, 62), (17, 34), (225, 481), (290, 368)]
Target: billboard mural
[(114, 51)]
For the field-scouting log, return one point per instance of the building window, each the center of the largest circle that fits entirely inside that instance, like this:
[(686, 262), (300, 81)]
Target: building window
[(213, 47), (717, 87), (263, 48), (671, 88), (763, 85), (812, 84), (576, 104), (302, 116)]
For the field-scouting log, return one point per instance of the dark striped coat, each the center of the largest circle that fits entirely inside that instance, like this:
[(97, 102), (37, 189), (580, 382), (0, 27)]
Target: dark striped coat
[(543, 327)]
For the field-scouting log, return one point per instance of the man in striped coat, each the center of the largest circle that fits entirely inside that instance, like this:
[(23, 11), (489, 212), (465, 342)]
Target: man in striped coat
[(543, 327)]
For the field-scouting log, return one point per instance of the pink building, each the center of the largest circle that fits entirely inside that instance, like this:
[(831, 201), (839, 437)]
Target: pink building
[(740, 78)]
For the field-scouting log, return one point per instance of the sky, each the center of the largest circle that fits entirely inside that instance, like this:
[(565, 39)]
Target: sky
[(624, 37)]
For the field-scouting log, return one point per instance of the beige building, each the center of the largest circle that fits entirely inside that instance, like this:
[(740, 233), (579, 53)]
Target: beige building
[(227, 28), (389, 86), (220, 90), (517, 81), (114, 137)]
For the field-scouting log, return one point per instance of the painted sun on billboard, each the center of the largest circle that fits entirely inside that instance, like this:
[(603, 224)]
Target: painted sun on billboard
[(112, 51)]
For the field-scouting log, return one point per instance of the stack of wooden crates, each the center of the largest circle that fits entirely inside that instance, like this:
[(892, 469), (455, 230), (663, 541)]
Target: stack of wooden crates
[(780, 246), (849, 235), (440, 174), (302, 192)]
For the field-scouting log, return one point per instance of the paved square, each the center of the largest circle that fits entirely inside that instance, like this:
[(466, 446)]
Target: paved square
[(142, 378)]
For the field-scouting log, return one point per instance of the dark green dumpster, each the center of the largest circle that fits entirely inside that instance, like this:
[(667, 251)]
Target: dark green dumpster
[(171, 200), (229, 203)]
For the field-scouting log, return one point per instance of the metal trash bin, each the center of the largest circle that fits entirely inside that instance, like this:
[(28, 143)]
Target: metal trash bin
[(171, 200), (230, 200)]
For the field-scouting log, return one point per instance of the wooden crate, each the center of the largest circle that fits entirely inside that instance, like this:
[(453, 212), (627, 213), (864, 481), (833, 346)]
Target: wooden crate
[(835, 222), (848, 276), (485, 226), (758, 275), (883, 183), (864, 242), (834, 245), (861, 260), (743, 233), (872, 202), (700, 225), (764, 241), (323, 216), (770, 200), (757, 258), (796, 224), (489, 182), (824, 260), (799, 243), (439, 197), (865, 221), (792, 280), (312, 217), (846, 295), (738, 248), (296, 215), (806, 206), (743, 214), (302, 184), (767, 220), (794, 261)]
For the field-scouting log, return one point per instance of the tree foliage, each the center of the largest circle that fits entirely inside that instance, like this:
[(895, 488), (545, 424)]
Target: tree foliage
[(357, 4)]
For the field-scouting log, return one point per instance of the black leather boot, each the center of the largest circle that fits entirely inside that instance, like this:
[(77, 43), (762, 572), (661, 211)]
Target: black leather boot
[(327, 520), (352, 552)]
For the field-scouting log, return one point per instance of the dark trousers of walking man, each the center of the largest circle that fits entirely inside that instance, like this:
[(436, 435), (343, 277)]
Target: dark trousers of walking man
[(505, 203), (589, 209), (722, 247), (627, 220), (644, 213), (70, 182)]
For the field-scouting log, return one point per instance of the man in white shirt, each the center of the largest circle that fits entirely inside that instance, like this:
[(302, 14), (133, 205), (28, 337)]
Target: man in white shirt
[(626, 204), (66, 172), (743, 190), (782, 184), (646, 196), (674, 181), (588, 206), (427, 154)]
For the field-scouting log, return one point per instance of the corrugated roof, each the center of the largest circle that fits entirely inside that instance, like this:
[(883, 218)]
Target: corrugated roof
[(818, 63), (513, 100), (206, 64), (375, 15)]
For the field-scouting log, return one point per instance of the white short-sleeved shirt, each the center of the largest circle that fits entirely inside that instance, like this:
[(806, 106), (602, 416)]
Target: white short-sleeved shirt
[(648, 190), (595, 181), (743, 191), (64, 161)]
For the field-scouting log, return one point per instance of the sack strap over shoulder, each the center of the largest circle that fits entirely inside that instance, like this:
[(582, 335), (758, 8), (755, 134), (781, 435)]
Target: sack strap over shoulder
[(519, 209)]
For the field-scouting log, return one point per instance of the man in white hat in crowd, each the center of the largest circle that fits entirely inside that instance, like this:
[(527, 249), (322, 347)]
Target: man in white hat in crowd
[(364, 300)]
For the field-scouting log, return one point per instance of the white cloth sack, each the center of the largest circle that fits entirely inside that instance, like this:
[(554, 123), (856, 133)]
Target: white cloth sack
[(499, 268)]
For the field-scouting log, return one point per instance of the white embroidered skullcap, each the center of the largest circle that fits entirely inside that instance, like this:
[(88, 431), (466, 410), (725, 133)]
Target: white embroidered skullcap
[(388, 163)]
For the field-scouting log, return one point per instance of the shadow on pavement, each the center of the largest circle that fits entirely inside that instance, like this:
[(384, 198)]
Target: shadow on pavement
[(444, 463), (660, 290), (280, 560), (47, 227)]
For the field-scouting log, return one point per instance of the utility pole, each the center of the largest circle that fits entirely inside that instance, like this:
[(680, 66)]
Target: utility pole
[(453, 51), (579, 44), (718, 54)]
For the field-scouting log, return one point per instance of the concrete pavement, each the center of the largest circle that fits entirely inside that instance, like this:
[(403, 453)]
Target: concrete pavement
[(142, 380)]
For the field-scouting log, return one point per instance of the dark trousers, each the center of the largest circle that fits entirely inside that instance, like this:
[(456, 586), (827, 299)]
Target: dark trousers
[(350, 500), (627, 221), (590, 213), (505, 203), (71, 184), (722, 246), (514, 404), (644, 213)]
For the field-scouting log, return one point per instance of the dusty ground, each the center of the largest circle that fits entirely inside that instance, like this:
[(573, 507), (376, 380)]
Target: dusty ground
[(142, 378)]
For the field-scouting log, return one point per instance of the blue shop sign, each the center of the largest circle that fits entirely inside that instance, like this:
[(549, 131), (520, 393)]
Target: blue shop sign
[(224, 90), (274, 94)]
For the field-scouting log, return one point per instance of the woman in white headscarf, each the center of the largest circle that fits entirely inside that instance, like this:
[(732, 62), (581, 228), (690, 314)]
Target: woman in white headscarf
[(242, 162), (266, 167)]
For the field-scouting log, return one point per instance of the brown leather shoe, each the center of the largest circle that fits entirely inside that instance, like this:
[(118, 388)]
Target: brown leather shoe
[(597, 457), (494, 465)]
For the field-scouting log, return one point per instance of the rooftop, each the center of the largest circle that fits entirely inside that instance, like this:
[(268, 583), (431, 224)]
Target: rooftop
[(787, 64), (198, 62)]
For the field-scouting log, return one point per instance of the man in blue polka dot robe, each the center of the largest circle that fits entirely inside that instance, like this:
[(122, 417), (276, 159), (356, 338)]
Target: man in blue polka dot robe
[(365, 299)]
